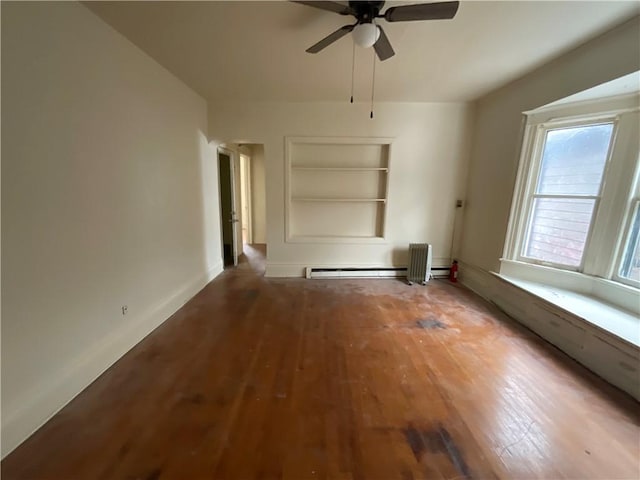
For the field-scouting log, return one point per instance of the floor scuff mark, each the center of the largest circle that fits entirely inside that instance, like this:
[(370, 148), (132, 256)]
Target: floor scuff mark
[(436, 441), (431, 324)]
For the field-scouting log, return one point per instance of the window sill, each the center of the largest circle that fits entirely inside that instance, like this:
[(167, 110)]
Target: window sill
[(581, 296)]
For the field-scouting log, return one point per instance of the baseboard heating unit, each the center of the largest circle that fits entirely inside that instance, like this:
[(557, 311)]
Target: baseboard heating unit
[(374, 272), (355, 272)]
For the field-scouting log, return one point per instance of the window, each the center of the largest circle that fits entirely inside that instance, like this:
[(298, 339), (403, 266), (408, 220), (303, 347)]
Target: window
[(630, 265), (576, 205), (628, 270), (567, 192)]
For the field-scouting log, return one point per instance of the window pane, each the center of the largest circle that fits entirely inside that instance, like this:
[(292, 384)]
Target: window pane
[(558, 230), (630, 267), (573, 160)]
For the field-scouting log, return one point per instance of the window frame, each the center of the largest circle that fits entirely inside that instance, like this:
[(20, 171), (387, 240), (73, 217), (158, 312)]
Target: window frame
[(633, 210), (540, 137), (613, 210)]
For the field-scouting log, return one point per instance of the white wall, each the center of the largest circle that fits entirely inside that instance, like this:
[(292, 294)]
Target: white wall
[(258, 195), (497, 132), (109, 197), (428, 168)]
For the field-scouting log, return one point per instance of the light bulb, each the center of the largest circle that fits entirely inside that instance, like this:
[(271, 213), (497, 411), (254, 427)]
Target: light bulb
[(366, 34)]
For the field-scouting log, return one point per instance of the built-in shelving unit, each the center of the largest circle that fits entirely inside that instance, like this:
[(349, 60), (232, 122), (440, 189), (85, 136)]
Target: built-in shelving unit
[(303, 199), (336, 189)]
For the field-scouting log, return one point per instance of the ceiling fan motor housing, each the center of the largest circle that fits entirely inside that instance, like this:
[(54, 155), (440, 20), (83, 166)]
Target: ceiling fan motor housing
[(366, 12)]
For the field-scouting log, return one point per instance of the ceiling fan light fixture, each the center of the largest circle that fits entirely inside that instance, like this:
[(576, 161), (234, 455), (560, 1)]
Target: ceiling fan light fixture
[(366, 34)]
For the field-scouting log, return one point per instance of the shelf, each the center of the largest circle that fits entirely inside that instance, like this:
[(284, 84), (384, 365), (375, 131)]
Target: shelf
[(342, 239), (344, 169), (335, 236), (336, 189), (304, 199)]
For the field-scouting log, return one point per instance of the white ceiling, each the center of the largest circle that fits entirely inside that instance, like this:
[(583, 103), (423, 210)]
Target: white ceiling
[(255, 51)]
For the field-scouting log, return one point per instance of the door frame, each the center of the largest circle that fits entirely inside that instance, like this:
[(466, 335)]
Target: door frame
[(234, 215), (246, 185)]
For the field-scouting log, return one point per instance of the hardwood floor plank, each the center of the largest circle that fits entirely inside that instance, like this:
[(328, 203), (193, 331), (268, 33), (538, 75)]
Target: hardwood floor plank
[(337, 379)]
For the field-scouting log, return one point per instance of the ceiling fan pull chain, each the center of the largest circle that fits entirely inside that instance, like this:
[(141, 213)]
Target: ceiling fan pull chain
[(353, 68), (373, 82)]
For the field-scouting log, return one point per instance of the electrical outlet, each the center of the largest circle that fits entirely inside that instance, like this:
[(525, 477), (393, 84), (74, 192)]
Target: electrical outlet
[(458, 203), (124, 309)]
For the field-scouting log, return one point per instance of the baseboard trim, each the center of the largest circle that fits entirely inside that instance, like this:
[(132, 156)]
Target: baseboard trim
[(214, 271), (39, 404), (284, 270)]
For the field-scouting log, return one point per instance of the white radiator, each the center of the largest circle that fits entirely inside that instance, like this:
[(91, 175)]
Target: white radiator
[(419, 268)]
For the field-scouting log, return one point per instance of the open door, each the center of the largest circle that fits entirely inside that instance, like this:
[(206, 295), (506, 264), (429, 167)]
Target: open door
[(228, 214)]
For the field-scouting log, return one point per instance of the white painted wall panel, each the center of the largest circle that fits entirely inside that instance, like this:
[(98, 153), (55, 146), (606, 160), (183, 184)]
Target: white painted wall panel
[(258, 194), (109, 198), (428, 172)]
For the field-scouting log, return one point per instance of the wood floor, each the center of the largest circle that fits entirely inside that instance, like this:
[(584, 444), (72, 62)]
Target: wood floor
[(345, 379)]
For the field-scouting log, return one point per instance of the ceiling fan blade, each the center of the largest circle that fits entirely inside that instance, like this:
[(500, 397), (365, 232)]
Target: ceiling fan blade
[(383, 47), (330, 6), (329, 39), (423, 11)]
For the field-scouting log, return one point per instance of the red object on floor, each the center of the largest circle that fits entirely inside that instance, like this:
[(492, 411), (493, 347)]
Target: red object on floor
[(453, 272)]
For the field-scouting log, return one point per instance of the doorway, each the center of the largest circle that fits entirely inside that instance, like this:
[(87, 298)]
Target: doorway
[(241, 173), (227, 207)]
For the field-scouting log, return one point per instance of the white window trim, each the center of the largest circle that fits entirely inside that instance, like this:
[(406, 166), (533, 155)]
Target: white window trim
[(612, 214), (539, 135), (633, 206)]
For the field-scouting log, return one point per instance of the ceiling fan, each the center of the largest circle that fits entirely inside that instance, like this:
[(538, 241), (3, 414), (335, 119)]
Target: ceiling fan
[(365, 31)]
